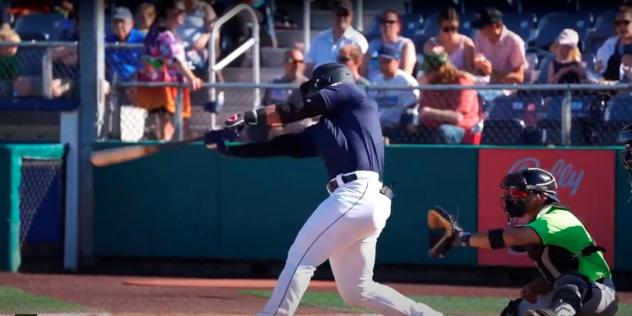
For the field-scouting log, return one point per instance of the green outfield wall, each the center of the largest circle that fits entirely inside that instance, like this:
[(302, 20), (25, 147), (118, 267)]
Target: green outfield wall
[(193, 203)]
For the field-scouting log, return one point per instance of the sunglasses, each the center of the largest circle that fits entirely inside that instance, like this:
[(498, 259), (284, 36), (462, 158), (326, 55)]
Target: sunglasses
[(388, 22), (622, 22), (343, 59), (295, 61), (449, 29)]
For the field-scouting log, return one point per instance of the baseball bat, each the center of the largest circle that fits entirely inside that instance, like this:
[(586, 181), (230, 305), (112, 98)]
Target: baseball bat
[(111, 156)]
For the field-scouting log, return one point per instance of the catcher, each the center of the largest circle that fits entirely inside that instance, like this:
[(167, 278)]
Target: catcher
[(575, 278)]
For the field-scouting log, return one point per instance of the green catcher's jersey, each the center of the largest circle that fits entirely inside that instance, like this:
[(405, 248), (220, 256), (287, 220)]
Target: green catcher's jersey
[(564, 238)]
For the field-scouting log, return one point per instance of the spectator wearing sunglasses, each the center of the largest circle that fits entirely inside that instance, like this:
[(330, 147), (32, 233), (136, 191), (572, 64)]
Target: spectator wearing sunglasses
[(498, 52), (610, 53), (351, 56), (459, 47), (293, 68), (390, 28), (325, 46)]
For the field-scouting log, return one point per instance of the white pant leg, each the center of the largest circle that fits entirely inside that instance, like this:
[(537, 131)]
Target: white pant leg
[(352, 267), (343, 218), (603, 302)]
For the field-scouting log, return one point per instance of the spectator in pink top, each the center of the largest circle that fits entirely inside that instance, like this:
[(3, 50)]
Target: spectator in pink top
[(498, 52)]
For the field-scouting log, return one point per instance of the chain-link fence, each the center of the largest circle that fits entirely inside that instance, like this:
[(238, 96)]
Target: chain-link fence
[(41, 180), (38, 70)]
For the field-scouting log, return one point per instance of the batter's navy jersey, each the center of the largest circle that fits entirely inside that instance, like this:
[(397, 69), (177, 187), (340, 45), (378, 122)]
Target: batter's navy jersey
[(348, 136)]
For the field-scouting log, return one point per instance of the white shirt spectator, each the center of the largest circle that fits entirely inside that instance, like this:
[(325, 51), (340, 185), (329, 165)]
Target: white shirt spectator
[(605, 51), (323, 49), (392, 103)]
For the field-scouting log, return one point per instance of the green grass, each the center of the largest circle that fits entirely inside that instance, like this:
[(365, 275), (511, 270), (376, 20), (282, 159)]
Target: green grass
[(14, 301), (449, 305)]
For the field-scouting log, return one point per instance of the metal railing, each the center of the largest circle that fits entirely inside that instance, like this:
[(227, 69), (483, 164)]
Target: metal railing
[(251, 42)]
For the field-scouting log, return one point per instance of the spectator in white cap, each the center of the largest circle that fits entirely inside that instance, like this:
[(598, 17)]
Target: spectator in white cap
[(393, 103), (122, 28), (567, 66), (325, 46)]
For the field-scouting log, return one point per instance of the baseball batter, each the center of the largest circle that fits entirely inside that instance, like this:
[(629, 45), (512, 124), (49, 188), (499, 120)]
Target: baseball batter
[(575, 277), (345, 227)]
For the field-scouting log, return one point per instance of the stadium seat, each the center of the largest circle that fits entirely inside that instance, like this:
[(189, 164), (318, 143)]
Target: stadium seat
[(551, 24), (53, 25), (603, 30), (582, 119), (521, 24), (507, 122), (618, 113)]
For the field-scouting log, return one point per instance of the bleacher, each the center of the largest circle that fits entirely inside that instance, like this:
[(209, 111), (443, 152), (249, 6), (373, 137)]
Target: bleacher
[(537, 22)]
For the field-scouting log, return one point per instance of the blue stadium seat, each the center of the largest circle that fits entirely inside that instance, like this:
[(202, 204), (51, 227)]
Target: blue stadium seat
[(618, 113), (53, 25), (551, 24), (521, 24), (581, 118), (603, 30), (505, 123)]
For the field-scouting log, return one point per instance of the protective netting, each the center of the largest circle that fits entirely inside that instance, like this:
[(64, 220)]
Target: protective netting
[(39, 176)]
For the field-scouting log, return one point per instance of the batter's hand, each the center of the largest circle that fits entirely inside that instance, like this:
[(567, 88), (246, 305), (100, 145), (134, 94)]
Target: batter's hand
[(235, 120)]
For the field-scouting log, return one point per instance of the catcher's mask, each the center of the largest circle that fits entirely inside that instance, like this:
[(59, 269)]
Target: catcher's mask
[(326, 75), (519, 185)]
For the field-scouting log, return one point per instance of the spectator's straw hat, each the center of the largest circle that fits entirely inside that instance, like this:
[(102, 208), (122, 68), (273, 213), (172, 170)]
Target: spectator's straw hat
[(123, 14), (487, 16), (568, 37), (434, 61)]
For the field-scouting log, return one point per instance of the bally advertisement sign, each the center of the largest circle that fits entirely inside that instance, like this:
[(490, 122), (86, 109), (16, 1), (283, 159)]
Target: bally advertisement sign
[(585, 181)]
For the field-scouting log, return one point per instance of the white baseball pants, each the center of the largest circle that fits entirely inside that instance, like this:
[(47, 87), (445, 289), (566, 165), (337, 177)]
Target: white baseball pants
[(344, 229)]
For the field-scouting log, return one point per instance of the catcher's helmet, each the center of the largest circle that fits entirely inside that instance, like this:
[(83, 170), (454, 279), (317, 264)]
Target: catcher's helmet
[(625, 136), (529, 181), (327, 74)]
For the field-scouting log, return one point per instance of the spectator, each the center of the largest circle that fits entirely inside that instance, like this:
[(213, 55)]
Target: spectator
[(165, 61), (9, 66), (293, 68), (392, 103), (459, 47), (351, 56), (195, 33), (448, 116), (567, 66), (123, 62), (498, 52), (626, 65), (609, 54), (325, 46), (390, 28), (145, 16)]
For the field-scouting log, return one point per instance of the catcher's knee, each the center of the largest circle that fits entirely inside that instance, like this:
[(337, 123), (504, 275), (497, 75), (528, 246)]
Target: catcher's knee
[(512, 308), (571, 288)]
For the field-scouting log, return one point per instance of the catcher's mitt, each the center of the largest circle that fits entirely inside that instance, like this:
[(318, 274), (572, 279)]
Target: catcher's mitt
[(444, 231)]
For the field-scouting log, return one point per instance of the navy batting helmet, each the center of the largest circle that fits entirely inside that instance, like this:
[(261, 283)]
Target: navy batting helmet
[(327, 74), (519, 185)]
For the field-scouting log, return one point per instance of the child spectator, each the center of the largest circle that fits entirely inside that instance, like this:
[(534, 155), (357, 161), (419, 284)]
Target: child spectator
[(390, 28), (567, 66), (145, 16), (165, 61), (9, 66)]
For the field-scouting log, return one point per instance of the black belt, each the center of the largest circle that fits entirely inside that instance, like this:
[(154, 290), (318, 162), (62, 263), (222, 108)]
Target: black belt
[(333, 185)]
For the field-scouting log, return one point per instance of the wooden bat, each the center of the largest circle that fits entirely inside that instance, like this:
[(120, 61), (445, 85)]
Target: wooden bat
[(111, 156)]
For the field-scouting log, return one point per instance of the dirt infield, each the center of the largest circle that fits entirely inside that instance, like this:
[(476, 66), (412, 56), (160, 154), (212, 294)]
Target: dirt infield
[(124, 295)]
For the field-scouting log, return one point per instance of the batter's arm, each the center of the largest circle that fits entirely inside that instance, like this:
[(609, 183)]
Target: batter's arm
[(293, 110), (292, 145)]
